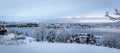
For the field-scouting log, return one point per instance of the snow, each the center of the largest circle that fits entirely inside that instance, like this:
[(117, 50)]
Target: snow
[(10, 39), (39, 47), (32, 46)]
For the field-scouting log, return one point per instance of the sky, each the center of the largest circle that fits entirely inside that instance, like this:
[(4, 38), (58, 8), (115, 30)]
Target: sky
[(23, 10)]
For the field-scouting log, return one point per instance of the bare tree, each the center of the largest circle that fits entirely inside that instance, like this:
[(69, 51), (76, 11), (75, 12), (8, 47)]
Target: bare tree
[(117, 13)]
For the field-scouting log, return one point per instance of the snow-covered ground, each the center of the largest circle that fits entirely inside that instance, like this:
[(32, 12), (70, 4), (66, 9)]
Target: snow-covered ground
[(38, 47), (9, 45)]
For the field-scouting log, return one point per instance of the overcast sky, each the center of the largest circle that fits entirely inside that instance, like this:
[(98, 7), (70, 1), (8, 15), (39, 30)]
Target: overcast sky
[(56, 8)]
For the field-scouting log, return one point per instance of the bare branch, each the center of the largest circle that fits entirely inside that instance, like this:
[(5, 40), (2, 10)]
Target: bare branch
[(117, 12), (107, 14), (111, 17)]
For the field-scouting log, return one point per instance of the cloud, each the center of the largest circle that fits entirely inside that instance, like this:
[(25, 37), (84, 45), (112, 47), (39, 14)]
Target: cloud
[(50, 9)]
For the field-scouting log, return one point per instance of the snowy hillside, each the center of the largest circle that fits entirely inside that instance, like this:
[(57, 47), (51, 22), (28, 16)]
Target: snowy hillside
[(56, 48), (8, 45)]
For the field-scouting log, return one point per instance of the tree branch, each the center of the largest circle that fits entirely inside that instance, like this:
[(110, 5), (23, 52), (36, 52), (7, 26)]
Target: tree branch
[(117, 12), (113, 18)]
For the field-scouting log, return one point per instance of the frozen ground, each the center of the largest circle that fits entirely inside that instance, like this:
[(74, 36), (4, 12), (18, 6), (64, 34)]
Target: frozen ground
[(38, 47)]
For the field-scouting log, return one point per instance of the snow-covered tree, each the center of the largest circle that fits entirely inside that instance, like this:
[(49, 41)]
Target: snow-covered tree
[(90, 39), (51, 36), (111, 41), (64, 35), (41, 32), (117, 13)]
